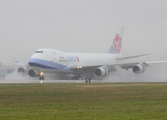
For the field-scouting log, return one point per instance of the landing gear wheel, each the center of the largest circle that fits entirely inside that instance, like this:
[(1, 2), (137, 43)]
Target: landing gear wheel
[(88, 80), (41, 77), (75, 77)]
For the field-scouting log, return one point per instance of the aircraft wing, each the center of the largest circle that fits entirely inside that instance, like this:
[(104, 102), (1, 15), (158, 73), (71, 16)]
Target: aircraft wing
[(112, 65), (20, 64), (130, 65), (83, 67), (156, 62), (129, 57), (123, 65)]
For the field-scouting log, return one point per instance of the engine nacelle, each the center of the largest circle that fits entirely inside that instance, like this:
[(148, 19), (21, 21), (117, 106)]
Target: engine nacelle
[(139, 69), (22, 70), (33, 73), (101, 71)]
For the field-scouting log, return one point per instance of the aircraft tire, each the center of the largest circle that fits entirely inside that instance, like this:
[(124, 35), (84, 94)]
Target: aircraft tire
[(88, 80), (41, 78)]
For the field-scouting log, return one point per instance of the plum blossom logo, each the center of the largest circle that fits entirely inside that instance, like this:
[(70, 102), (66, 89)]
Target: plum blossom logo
[(117, 42)]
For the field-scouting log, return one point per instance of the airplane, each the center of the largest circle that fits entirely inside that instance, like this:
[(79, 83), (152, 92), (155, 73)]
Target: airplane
[(6, 69), (85, 65), (3, 73)]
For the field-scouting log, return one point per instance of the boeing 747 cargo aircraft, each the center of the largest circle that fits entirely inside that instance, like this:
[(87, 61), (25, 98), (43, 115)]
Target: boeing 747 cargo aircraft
[(83, 64)]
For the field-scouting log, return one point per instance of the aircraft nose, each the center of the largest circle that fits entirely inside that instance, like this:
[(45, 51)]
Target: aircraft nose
[(35, 62), (32, 62)]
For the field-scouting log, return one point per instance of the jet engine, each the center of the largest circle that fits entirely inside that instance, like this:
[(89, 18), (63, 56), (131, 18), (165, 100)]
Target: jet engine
[(33, 73), (101, 71), (139, 69), (22, 70)]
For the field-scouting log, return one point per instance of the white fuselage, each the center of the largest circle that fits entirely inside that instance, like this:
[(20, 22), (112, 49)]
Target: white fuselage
[(50, 60)]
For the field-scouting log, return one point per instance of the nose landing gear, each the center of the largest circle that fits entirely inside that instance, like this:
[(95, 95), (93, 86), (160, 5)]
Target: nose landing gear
[(41, 76)]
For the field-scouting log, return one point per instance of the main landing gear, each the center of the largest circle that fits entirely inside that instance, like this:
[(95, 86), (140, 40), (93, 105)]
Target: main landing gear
[(76, 76), (88, 80), (41, 76)]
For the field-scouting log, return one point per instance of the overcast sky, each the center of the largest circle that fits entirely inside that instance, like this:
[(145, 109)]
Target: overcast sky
[(82, 26)]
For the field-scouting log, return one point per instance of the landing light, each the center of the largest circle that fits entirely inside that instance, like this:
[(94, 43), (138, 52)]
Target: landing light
[(41, 73), (79, 67)]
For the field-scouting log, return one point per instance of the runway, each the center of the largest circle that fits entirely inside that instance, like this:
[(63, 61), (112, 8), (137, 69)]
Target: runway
[(46, 81)]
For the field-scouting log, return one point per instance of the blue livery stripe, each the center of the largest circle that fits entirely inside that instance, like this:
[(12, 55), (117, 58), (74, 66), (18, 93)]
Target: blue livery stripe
[(46, 64)]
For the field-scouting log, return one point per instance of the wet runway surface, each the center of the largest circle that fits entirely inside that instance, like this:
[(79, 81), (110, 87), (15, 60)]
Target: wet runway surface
[(47, 81), (66, 81)]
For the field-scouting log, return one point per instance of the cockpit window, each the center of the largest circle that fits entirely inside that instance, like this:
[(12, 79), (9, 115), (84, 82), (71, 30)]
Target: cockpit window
[(38, 51)]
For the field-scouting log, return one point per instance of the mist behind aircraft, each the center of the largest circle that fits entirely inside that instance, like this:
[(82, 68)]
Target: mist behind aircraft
[(154, 73)]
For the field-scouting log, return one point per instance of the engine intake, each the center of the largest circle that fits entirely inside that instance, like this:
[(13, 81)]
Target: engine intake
[(139, 69), (33, 73), (22, 70), (101, 72)]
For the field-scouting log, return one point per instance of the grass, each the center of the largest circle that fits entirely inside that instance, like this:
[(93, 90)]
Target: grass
[(129, 101)]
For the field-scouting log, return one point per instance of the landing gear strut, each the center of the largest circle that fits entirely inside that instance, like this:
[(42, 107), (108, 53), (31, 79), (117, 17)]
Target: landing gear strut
[(88, 80)]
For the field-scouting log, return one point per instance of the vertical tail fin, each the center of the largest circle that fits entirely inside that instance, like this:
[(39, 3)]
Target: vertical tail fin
[(115, 47), (3, 72)]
